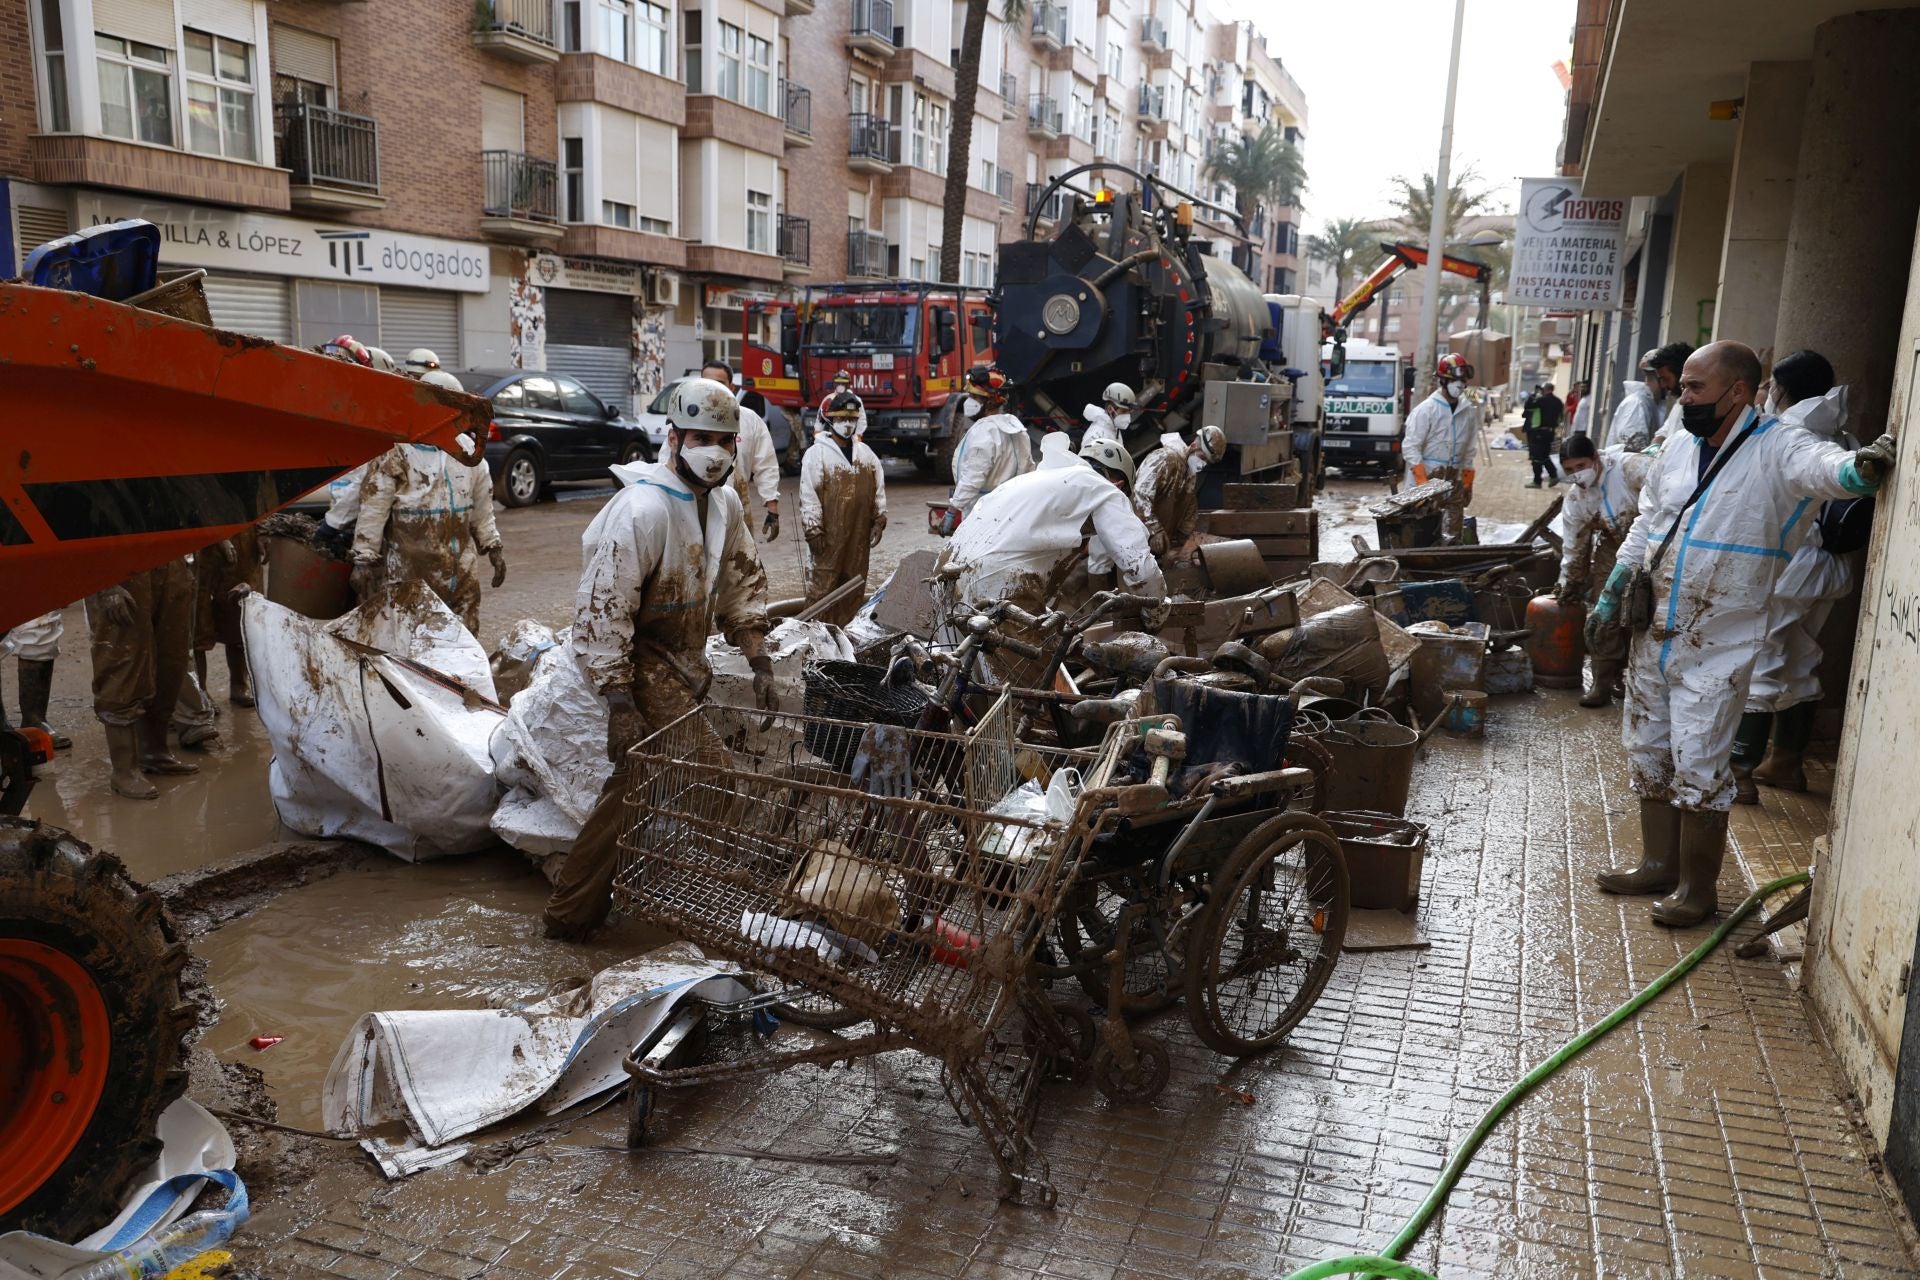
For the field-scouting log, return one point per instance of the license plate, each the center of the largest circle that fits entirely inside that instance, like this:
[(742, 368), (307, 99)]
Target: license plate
[(1330, 443), (883, 360)]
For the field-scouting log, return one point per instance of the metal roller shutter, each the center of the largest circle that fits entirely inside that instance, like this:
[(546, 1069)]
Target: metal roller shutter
[(149, 21), (230, 18), (428, 318), (606, 372), (256, 305), (590, 337), (303, 55)]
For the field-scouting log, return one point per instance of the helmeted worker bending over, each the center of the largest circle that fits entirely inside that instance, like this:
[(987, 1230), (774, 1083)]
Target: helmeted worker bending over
[(1109, 419), (1166, 493), (843, 507), (1714, 514), (1443, 431), (668, 560), (756, 470), (995, 448), (425, 514), (1603, 497)]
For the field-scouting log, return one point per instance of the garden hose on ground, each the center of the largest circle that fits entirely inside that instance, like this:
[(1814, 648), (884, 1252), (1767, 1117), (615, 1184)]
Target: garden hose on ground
[(1384, 1265)]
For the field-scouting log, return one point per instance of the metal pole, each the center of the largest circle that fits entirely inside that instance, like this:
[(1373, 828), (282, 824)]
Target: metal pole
[(1437, 229)]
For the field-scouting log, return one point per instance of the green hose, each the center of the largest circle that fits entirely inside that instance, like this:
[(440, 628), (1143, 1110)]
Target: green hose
[(1384, 1266)]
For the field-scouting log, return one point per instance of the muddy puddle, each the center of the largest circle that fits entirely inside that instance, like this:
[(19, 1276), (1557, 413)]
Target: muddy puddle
[(458, 933)]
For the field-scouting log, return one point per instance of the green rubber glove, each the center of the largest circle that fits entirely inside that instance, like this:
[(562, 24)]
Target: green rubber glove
[(1867, 469), (1607, 607)]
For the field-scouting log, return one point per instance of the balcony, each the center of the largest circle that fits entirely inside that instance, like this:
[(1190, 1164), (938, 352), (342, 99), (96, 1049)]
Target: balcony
[(1003, 187), (797, 114), (1052, 209), (1043, 117), (1049, 26), (333, 157), (1009, 87), (75, 158), (516, 30), (796, 244), (522, 203), (866, 255), (1153, 103), (1153, 33), (797, 7), (872, 29), (873, 145)]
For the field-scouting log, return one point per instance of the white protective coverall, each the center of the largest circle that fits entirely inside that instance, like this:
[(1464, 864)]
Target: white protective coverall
[(1015, 541), (1441, 434), (1635, 419), (343, 498), (1100, 426), (1166, 496), (1593, 520), (756, 469), (434, 516), (842, 497), (1583, 416), (1688, 673), (1787, 672), (994, 451), (39, 639)]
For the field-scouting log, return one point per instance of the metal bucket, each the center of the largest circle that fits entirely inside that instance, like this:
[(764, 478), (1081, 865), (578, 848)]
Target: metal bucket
[(1234, 568), (1372, 755), (305, 581)]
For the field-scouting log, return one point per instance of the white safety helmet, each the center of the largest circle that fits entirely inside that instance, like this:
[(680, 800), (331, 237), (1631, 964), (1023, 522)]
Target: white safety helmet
[(441, 378), (1107, 454), (701, 404), (419, 361), (1118, 393), (1212, 442), (382, 361)]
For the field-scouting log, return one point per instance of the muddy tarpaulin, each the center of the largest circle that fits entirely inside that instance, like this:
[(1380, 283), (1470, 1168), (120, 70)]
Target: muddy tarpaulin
[(445, 1073), (380, 723)]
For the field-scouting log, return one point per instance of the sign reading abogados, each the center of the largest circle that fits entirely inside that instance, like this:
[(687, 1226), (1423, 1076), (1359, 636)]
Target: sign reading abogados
[(1360, 404), (1568, 251)]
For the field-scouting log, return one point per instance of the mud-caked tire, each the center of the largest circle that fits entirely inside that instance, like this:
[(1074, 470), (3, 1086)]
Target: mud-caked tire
[(98, 1012)]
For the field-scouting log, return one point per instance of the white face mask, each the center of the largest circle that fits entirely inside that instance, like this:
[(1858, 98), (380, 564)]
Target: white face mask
[(1120, 421), (1771, 410), (1455, 388), (707, 463), (1586, 479), (970, 407), (842, 427)]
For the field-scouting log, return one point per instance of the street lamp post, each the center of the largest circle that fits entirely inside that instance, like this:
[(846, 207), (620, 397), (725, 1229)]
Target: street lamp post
[(1437, 228)]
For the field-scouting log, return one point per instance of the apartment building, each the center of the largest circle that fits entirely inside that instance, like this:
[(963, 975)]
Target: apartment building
[(1251, 89)]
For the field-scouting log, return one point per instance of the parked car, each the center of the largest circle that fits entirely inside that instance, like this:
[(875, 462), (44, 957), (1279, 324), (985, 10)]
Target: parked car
[(788, 445), (547, 427)]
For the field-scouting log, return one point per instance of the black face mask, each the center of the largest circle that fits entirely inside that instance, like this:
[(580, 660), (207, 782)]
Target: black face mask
[(1701, 419)]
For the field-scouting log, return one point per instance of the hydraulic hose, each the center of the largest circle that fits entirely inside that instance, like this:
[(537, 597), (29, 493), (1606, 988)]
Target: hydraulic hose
[(1384, 1265)]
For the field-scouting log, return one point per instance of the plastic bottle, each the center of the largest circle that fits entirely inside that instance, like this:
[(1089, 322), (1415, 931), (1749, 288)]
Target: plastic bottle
[(159, 1252)]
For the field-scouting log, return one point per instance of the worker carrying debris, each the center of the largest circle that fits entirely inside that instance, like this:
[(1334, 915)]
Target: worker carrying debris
[(1603, 497), (425, 514), (1167, 493), (995, 448), (1704, 555), (1109, 419), (667, 561), (843, 507), (1443, 431)]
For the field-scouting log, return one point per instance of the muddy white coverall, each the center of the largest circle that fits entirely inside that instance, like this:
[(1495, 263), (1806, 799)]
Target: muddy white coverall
[(1439, 444), (994, 451), (842, 498), (1099, 426), (1593, 520), (343, 498), (756, 469), (39, 639), (1688, 673), (1166, 496), (434, 516), (1635, 419), (1787, 672), (1016, 540)]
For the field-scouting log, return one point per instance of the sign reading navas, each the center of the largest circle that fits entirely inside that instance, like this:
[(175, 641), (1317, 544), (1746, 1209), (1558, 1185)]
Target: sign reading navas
[(1569, 251)]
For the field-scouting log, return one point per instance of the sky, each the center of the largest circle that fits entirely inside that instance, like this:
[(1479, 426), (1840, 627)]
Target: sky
[(1375, 76)]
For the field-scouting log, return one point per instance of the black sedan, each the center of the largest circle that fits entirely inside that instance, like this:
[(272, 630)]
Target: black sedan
[(547, 427)]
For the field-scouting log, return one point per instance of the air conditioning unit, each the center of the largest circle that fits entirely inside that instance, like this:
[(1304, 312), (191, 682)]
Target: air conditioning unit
[(663, 290)]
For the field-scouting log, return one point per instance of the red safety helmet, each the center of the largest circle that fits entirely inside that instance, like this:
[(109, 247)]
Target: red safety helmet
[(1453, 365), (348, 347), (987, 382)]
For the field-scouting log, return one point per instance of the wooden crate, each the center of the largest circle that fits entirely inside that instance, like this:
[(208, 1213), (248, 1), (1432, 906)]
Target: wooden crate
[(1258, 497), (1259, 524)]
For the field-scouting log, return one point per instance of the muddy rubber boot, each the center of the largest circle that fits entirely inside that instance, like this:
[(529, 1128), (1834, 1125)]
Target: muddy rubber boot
[(1600, 684), (1744, 792), (239, 678), (154, 755), (123, 751), (1783, 769), (1703, 847), (36, 687), (1659, 868)]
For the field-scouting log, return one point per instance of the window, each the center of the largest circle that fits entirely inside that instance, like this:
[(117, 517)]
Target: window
[(1113, 60), (219, 96), (136, 90), (759, 73), (691, 62), (570, 26), (857, 97), (615, 214), (929, 134), (573, 161), (987, 175), (650, 38), (53, 42), (759, 222), (727, 68), (577, 400), (541, 392), (616, 29), (656, 226), (1082, 118)]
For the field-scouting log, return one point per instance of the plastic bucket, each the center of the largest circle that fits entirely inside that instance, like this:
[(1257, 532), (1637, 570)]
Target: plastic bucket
[(1385, 854), (305, 581)]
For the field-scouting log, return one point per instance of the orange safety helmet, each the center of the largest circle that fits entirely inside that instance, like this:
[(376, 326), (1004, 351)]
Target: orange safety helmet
[(1453, 365)]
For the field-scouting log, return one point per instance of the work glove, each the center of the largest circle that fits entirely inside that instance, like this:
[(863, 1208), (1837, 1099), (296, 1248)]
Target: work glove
[(365, 579), (115, 605), (1867, 470), (1157, 544), (1567, 593), (763, 690), (329, 541), (770, 531), (1607, 608), (499, 559), (625, 725), (1419, 474), (879, 527)]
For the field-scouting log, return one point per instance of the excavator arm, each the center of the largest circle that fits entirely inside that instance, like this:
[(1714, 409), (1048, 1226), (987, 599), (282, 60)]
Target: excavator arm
[(1401, 258)]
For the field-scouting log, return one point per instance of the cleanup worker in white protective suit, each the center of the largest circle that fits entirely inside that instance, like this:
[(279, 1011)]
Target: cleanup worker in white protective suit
[(425, 514), (667, 561), (1166, 493), (842, 385), (1443, 434), (1603, 497), (1785, 691), (756, 469), (1109, 419), (37, 643), (995, 448), (334, 534), (843, 508), (1688, 671), (1647, 400)]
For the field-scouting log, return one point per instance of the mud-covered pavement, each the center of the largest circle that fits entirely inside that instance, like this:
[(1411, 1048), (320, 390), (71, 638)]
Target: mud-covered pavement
[(1708, 1138)]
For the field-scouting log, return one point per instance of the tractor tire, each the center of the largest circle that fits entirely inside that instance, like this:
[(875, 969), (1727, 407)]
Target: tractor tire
[(97, 1015)]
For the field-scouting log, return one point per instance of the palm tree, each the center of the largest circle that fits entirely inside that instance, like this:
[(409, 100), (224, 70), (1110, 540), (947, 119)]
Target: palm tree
[(1413, 202), (960, 140), (1345, 245), (1260, 167)]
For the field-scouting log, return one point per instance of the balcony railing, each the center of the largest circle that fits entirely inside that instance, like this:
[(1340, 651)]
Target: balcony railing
[(870, 137), (1050, 23), (798, 113), (328, 148), (1051, 208), (532, 19), (873, 20), (1153, 32), (866, 253), (796, 240), (1153, 102), (1043, 115), (1009, 86), (1003, 186), (520, 187)]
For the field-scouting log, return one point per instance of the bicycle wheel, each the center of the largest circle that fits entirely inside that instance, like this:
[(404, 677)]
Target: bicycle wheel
[(1084, 928), (1270, 936)]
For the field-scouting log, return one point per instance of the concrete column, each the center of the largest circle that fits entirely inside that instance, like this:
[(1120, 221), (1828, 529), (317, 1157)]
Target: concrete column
[(1699, 231), (1855, 198), (1760, 204)]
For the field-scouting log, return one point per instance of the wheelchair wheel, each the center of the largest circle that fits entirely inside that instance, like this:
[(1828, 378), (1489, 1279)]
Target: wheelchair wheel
[(1270, 936), (1084, 928)]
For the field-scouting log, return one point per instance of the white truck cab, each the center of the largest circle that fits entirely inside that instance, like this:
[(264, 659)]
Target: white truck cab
[(1364, 422)]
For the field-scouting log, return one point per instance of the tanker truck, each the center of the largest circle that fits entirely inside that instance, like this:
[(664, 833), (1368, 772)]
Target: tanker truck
[(1127, 289)]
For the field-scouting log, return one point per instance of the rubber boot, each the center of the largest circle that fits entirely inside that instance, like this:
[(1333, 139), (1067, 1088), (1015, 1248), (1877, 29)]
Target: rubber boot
[(239, 679), (1785, 764), (154, 755), (36, 687), (123, 752), (1600, 684), (1744, 792), (1703, 847), (1659, 868)]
